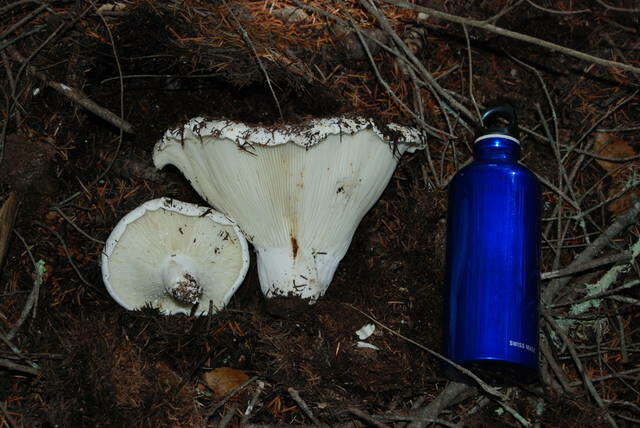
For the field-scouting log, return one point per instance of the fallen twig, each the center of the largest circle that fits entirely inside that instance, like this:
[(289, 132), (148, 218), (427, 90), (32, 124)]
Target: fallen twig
[(347, 425), (621, 223), (447, 396), (53, 35), (75, 95), (559, 12), (22, 21), (226, 419), (7, 218), (16, 4), (121, 133), (501, 399), (557, 370), (514, 35), (32, 300), (432, 83), (85, 234), (428, 128), (8, 364), (607, 377), (602, 261), (585, 378), (366, 417), (73, 265), (7, 417), (617, 9), (222, 402), (16, 351), (418, 419), (247, 40), (296, 397), (247, 413)]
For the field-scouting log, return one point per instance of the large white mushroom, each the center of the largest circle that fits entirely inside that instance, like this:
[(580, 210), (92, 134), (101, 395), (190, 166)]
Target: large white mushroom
[(297, 192), (173, 255)]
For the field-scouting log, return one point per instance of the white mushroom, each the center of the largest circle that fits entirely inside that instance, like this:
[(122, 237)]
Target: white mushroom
[(173, 255), (297, 192)]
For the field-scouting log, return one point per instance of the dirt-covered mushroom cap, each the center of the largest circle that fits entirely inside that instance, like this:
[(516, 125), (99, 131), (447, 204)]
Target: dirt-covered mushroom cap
[(297, 191), (173, 255)]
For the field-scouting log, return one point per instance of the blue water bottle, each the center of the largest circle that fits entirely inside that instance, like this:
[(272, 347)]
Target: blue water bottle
[(493, 257)]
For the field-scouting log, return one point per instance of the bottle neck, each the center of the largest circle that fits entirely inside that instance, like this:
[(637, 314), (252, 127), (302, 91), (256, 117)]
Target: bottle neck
[(496, 147)]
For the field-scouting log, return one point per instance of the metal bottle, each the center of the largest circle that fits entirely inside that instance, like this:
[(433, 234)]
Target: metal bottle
[(493, 253)]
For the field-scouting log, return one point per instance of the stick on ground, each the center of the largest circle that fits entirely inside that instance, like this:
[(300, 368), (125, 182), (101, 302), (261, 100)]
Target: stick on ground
[(514, 35), (366, 417), (75, 95), (621, 223), (7, 218), (8, 364), (602, 261), (296, 397), (449, 394)]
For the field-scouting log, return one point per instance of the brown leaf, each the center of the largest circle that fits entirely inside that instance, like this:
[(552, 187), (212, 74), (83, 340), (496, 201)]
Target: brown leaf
[(622, 204), (610, 146), (224, 380)]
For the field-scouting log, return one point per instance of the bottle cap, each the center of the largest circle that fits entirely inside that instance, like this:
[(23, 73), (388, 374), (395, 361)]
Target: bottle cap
[(490, 126)]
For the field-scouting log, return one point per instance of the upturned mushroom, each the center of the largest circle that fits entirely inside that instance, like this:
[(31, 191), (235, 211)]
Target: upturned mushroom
[(173, 255), (297, 192)]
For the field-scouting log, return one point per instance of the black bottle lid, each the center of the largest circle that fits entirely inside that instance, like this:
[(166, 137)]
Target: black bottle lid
[(490, 124)]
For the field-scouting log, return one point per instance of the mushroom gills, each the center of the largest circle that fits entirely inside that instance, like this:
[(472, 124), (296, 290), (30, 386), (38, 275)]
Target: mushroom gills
[(174, 255), (298, 192)]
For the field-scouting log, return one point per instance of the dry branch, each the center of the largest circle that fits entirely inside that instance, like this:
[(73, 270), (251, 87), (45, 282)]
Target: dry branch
[(209, 413), (32, 300), (621, 223), (602, 261), (75, 95), (585, 378), (7, 218), (493, 392), (514, 35), (449, 394), (366, 417), (305, 408), (8, 364)]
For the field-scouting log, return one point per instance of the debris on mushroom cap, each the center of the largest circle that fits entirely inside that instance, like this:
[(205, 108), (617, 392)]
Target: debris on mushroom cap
[(297, 191), (305, 134), (173, 255), (185, 290)]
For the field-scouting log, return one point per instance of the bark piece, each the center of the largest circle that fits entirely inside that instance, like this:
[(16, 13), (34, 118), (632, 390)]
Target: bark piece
[(7, 218)]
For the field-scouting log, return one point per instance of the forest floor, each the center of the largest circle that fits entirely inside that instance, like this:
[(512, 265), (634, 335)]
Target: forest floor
[(73, 163)]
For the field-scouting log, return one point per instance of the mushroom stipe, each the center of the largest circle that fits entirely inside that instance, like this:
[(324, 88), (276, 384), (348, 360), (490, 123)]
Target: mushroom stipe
[(297, 192), (174, 255)]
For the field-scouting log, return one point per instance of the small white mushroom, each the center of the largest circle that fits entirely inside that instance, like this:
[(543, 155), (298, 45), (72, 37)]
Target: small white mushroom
[(173, 255), (298, 192)]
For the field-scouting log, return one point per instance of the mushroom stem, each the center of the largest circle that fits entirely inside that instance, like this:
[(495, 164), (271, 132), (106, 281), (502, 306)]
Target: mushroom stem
[(305, 274), (180, 281)]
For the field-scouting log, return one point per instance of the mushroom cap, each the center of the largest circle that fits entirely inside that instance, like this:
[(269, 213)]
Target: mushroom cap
[(165, 238), (297, 191), (306, 134)]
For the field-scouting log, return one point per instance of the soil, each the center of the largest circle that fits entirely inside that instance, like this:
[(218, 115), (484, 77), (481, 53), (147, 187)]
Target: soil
[(104, 366)]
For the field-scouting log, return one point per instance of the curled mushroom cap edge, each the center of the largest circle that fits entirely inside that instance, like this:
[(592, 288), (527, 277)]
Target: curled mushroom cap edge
[(255, 175), (172, 264)]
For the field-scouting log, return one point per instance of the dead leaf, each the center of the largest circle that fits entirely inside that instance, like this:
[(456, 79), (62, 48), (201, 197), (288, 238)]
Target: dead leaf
[(610, 146), (623, 203), (224, 380)]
